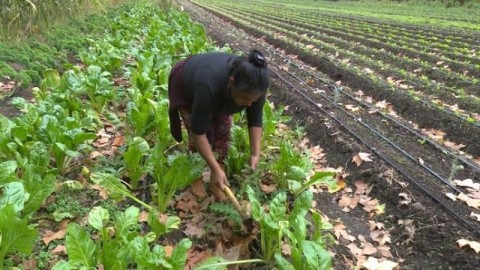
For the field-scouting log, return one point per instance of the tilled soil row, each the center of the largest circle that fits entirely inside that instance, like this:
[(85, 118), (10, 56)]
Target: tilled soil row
[(379, 41), (439, 86), (460, 39), (436, 233), (457, 130)]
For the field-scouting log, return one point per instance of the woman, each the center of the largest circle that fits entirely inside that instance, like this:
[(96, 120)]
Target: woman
[(205, 90)]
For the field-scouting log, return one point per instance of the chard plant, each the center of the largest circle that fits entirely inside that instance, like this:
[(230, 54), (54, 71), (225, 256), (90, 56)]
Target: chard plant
[(20, 199), (98, 86), (238, 151), (290, 165), (278, 225), (134, 160), (173, 173), (120, 245), (140, 112)]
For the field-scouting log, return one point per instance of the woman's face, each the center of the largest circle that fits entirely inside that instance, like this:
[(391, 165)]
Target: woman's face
[(240, 97), (243, 99)]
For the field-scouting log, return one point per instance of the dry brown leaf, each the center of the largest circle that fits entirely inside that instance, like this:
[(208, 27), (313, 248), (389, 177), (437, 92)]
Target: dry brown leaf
[(95, 154), (192, 230), (310, 46), (268, 188), (198, 188), (60, 250), (360, 158), (435, 134), (49, 236), (102, 141), (375, 225), (361, 185), (187, 202), (368, 249), (385, 251), (143, 217), (381, 237), (453, 145), (352, 108), (382, 104), (30, 264), (118, 141), (101, 191), (345, 201), (286, 250), (475, 216), (356, 251), (468, 183), (475, 203), (472, 244), (421, 161), (404, 198), (373, 264), (339, 231), (338, 228), (451, 196), (195, 256)]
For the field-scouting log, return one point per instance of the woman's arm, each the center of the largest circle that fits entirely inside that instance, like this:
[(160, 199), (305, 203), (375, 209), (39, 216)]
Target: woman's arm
[(255, 135), (203, 147)]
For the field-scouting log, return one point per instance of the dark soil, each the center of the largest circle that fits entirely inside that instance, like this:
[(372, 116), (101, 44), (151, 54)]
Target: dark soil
[(432, 245), (7, 109), (457, 130)]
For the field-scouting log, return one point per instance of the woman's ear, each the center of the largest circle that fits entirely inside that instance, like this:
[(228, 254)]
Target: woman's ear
[(231, 81)]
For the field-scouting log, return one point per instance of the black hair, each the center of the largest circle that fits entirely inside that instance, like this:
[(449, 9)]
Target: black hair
[(251, 74)]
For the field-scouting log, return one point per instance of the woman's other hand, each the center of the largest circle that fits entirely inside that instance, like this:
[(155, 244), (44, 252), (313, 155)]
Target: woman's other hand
[(254, 161)]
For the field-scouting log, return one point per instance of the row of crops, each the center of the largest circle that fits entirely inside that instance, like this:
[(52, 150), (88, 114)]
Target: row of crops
[(102, 126), (435, 66), (425, 13)]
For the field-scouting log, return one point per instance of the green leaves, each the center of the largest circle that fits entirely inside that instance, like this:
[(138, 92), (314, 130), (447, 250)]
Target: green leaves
[(13, 194), (114, 187), (98, 218), (15, 233), (182, 172), (7, 169), (138, 148), (164, 226), (82, 251)]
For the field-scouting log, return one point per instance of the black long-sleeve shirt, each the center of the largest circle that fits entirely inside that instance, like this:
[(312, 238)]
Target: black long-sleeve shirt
[(205, 86)]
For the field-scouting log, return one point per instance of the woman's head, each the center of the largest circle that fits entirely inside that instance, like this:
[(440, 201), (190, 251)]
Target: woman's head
[(249, 78)]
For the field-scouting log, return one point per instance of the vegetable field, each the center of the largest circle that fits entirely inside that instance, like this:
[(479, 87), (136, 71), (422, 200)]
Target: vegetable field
[(91, 178), (398, 81), (370, 149)]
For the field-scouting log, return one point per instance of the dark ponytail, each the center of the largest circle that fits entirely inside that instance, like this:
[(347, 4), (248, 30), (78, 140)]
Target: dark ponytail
[(251, 74)]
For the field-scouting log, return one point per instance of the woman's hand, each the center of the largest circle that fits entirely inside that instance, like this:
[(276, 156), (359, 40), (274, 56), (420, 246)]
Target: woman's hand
[(254, 161), (219, 177)]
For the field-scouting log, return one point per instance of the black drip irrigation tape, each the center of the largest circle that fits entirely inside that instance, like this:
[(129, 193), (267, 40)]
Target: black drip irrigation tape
[(420, 136), (372, 148), (421, 100)]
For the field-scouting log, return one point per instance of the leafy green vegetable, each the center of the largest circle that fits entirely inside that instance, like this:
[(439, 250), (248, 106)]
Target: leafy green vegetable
[(15, 233), (82, 251), (181, 173), (138, 148)]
